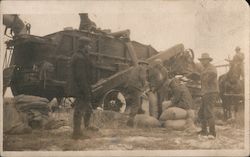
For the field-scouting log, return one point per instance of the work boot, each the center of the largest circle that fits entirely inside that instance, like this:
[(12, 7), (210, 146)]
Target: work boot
[(203, 131), (212, 133)]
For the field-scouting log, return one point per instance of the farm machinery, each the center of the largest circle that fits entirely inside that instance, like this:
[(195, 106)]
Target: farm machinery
[(113, 55)]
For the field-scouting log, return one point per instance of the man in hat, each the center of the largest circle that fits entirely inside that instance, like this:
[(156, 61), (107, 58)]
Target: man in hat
[(136, 85), (238, 60), (81, 69), (86, 23), (209, 90), (239, 56)]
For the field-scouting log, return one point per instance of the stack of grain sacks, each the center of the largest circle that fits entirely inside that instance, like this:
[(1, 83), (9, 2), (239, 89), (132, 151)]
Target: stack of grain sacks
[(34, 110), (12, 121), (173, 117)]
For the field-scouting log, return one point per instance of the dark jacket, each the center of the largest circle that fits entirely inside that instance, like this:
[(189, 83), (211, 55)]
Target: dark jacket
[(209, 82), (81, 71), (182, 97), (238, 58)]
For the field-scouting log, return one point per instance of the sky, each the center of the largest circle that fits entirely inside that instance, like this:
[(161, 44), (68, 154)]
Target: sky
[(214, 26)]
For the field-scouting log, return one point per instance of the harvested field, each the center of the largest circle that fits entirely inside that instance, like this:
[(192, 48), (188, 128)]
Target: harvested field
[(121, 137)]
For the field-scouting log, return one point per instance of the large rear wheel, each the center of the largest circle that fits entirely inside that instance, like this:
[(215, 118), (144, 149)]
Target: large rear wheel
[(114, 100)]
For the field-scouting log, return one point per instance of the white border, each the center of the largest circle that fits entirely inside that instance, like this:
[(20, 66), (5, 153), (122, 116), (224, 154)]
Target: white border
[(56, 7)]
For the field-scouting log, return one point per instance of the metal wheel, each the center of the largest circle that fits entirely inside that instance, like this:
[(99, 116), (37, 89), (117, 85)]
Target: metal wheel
[(114, 100)]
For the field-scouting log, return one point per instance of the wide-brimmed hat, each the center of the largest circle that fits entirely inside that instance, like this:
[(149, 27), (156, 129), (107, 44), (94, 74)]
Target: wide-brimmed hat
[(205, 56)]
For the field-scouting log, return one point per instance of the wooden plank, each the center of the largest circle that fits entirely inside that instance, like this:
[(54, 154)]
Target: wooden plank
[(167, 54), (234, 95)]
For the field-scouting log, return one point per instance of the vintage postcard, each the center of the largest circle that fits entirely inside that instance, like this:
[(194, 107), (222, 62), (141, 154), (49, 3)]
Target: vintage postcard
[(124, 78)]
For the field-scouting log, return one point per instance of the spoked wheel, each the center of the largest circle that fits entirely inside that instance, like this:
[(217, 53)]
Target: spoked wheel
[(114, 100)]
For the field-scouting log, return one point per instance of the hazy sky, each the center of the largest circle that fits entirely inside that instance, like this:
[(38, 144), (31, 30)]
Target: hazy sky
[(216, 27)]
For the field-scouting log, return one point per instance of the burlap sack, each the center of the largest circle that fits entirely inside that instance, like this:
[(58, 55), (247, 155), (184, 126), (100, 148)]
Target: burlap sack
[(21, 128), (145, 121), (40, 106), (23, 99), (173, 113), (175, 124), (13, 123), (11, 117)]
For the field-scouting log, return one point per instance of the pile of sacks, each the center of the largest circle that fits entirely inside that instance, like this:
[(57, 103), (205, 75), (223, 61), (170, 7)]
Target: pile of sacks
[(174, 118), (146, 121), (24, 113), (13, 122), (35, 110)]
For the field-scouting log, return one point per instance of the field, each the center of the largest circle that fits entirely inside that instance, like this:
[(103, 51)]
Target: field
[(229, 136)]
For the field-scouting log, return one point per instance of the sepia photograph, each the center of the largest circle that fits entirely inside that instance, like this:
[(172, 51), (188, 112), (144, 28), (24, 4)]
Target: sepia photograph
[(124, 78)]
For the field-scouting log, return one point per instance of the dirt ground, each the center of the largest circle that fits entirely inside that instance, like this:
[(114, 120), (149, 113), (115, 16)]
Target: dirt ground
[(229, 136), (123, 139)]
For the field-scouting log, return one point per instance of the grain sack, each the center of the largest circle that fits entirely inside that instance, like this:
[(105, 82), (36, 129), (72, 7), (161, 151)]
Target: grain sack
[(22, 99), (42, 107), (21, 128), (175, 124), (34, 108), (108, 119), (173, 113), (145, 121), (11, 117), (13, 123), (153, 104)]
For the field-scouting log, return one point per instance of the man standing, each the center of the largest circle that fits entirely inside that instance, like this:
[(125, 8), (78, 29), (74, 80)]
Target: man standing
[(209, 90), (136, 85), (238, 62), (239, 56), (81, 69)]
